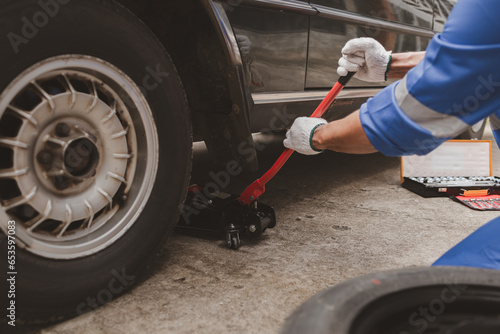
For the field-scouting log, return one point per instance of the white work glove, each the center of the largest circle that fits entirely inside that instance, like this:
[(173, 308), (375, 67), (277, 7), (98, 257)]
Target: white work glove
[(299, 137), (367, 57)]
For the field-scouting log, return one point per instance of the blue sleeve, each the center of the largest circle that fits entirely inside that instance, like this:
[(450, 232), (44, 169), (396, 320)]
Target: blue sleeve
[(455, 86), (473, 22), (390, 131)]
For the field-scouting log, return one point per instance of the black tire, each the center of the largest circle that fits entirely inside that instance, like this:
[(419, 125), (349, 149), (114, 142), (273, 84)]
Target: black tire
[(48, 288), (475, 132), (423, 300)]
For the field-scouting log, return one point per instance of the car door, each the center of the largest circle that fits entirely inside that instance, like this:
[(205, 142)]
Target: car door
[(400, 25), (272, 38)]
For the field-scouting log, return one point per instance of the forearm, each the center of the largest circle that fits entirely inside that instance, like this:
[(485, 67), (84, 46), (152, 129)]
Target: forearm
[(345, 135), (401, 63)]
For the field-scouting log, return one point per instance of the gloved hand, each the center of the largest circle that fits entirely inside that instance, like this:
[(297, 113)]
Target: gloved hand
[(299, 137), (367, 57)]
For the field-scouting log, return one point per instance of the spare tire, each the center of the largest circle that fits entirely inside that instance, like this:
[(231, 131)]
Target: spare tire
[(452, 300)]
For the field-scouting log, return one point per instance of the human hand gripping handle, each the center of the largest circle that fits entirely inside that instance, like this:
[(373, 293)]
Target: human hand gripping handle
[(299, 137), (257, 188), (367, 57)]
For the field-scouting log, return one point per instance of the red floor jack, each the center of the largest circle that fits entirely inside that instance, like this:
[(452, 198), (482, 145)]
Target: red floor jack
[(211, 211)]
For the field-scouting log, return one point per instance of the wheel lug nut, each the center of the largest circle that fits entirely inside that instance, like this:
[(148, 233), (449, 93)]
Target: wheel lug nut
[(62, 130), (61, 183), (44, 157)]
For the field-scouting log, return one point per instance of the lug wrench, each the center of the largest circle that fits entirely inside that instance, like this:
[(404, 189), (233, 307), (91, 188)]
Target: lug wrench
[(258, 187)]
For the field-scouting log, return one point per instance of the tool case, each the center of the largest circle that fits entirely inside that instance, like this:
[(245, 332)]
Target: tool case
[(460, 169)]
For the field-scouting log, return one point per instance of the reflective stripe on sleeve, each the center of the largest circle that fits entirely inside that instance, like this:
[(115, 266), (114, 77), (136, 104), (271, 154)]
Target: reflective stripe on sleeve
[(438, 124)]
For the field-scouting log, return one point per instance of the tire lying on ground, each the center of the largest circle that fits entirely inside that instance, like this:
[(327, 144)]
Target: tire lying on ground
[(422, 300), (95, 151)]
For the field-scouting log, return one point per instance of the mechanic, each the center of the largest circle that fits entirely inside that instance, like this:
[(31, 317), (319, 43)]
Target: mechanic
[(454, 84)]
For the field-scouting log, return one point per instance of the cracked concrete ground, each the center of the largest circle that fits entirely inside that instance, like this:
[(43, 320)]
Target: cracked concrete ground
[(339, 216)]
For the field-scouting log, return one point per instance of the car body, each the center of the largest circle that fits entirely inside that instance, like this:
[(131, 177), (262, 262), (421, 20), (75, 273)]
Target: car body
[(281, 56), (257, 60)]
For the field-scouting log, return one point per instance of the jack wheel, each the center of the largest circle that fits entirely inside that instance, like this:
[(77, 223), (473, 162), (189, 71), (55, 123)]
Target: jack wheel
[(233, 240)]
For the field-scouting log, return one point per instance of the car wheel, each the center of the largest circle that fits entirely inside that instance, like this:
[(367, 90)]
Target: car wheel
[(95, 151), (475, 132), (424, 300)]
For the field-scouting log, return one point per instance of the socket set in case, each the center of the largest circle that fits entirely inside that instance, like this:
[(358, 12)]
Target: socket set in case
[(458, 181), (451, 185), (475, 187)]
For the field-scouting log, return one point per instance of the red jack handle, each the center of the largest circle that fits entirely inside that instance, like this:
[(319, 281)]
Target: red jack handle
[(258, 187)]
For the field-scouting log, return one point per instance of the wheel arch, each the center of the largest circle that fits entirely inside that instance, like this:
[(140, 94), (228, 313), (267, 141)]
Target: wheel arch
[(197, 35)]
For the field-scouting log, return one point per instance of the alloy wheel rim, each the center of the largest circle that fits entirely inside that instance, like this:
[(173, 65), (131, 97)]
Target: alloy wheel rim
[(80, 148)]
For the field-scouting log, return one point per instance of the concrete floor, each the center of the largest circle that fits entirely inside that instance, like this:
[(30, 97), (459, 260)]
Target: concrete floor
[(339, 216)]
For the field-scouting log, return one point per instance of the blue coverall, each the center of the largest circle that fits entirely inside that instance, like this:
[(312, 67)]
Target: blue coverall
[(455, 86)]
